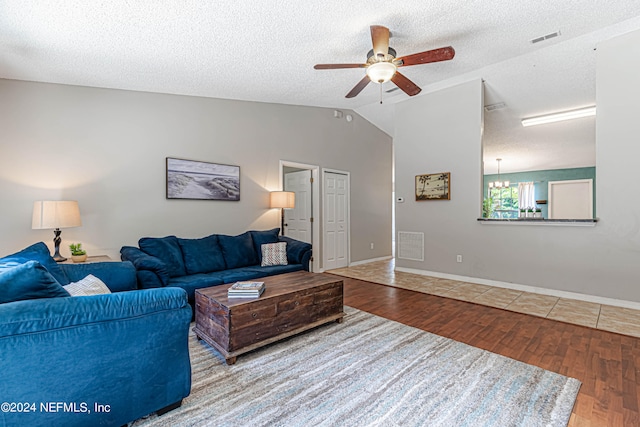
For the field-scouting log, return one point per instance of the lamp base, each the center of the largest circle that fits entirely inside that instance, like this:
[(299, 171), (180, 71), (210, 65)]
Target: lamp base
[(56, 242), (282, 221)]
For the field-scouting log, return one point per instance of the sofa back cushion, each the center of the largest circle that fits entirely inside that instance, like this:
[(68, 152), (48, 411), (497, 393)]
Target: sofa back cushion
[(238, 251), (29, 280), (202, 255), (263, 238), (167, 249), (38, 252)]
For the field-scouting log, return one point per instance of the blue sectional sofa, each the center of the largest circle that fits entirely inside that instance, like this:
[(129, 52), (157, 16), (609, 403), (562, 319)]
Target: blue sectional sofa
[(92, 360), (192, 264)]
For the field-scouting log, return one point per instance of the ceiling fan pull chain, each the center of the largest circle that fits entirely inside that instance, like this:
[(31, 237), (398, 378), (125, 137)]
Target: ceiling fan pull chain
[(380, 93)]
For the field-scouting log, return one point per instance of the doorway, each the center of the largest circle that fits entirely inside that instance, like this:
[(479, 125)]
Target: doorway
[(299, 222)]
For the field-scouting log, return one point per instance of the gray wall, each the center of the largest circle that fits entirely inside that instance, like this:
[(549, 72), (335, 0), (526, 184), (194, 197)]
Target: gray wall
[(440, 132), (107, 149)]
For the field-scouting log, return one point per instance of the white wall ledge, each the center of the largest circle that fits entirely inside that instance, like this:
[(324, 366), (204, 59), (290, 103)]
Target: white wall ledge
[(541, 221)]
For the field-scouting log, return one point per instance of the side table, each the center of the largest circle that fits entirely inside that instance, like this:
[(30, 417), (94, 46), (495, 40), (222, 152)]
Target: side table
[(91, 258)]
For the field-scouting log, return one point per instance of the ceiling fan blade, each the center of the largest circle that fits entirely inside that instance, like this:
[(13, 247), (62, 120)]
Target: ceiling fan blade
[(358, 88), (409, 87), (380, 39), (335, 66), (435, 55)]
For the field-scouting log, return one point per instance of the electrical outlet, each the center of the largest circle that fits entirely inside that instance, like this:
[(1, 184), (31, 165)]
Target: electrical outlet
[(371, 246), (459, 258)]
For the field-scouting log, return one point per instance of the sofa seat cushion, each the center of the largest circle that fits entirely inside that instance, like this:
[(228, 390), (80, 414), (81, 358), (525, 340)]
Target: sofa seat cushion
[(239, 274), (275, 269), (195, 281), (202, 255), (167, 249), (238, 251), (29, 280), (37, 252), (263, 238)]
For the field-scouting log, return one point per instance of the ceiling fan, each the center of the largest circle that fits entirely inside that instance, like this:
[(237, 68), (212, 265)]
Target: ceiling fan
[(382, 64)]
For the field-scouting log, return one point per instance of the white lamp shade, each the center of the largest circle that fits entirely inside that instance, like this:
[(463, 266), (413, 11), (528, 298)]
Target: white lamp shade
[(55, 214), (381, 72), (283, 199)]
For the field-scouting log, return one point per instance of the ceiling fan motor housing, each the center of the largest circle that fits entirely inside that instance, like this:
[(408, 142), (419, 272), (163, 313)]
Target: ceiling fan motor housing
[(370, 54)]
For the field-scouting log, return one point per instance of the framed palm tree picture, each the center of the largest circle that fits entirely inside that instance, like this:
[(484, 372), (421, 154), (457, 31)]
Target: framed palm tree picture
[(433, 186)]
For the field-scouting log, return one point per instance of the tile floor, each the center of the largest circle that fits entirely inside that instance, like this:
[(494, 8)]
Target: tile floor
[(614, 319)]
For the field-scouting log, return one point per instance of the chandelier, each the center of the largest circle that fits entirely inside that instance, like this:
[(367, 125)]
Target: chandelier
[(499, 183)]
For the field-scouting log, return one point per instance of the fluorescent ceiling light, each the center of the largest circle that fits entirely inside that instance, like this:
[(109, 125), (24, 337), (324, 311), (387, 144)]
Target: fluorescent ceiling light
[(558, 117)]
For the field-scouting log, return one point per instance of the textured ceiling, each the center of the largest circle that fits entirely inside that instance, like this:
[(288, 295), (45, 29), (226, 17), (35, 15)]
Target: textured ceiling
[(265, 51)]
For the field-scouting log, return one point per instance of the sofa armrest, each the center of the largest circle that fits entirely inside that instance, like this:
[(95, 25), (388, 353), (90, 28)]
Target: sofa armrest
[(297, 252), (151, 271), (100, 349), (46, 314), (118, 276)]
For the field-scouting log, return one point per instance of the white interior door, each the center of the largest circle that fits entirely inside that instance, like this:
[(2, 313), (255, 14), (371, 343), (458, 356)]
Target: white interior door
[(336, 220), (297, 221), (571, 199)]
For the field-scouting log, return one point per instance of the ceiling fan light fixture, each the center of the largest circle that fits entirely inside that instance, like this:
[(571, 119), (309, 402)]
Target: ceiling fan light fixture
[(381, 72)]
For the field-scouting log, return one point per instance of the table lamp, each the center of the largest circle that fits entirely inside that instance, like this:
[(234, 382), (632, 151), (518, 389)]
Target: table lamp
[(55, 215)]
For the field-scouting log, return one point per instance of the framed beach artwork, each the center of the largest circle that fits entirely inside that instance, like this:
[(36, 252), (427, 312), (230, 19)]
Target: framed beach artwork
[(190, 179), (433, 186)]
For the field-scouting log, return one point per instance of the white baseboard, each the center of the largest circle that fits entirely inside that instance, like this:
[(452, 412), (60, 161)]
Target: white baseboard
[(526, 288)]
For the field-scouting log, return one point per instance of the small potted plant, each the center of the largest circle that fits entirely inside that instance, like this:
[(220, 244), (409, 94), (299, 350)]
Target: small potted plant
[(538, 213), (523, 213), (530, 213), (77, 253)]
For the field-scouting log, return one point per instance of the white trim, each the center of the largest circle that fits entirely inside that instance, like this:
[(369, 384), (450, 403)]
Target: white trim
[(315, 200), (541, 222), (526, 288), (367, 261), (348, 174)]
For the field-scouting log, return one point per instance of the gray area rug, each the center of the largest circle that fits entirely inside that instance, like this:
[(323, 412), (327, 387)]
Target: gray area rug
[(369, 371)]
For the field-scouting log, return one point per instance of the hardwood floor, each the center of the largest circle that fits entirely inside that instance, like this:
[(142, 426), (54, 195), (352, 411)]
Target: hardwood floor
[(607, 364)]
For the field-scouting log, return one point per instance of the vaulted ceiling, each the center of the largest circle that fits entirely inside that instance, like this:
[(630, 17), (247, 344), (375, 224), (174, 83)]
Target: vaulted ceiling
[(265, 51)]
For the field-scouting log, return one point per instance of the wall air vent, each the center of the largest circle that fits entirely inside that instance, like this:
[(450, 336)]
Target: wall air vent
[(411, 245), (546, 37), (496, 106)]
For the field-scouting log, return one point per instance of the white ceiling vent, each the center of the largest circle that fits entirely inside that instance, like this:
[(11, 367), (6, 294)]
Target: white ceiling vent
[(496, 106), (547, 37), (411, 245)]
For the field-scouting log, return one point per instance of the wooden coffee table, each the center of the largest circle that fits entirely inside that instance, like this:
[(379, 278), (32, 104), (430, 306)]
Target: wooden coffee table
[(290, 304)]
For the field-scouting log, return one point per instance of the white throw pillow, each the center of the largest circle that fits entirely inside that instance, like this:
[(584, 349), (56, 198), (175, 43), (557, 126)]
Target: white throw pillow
[(90, 285), (274, 254)]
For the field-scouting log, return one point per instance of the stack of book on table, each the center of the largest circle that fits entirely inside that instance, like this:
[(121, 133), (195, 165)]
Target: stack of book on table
[(246, 290)]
